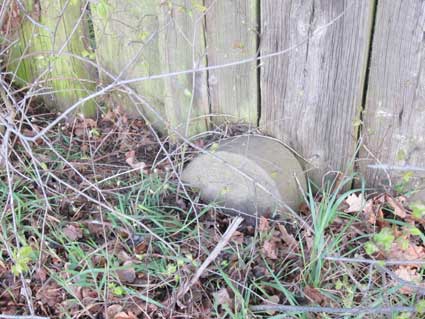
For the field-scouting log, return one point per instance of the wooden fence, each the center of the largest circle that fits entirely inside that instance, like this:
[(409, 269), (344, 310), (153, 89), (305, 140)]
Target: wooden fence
[(331, 72)]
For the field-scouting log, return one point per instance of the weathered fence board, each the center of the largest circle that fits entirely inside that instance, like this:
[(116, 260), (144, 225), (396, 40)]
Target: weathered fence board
[(394, 131), (231, 34), (183, 44), (141, 38), (311, 96), (44, 51), (127, 46)]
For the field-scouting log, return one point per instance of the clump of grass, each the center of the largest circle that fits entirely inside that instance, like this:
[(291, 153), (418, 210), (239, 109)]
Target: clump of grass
[(323, 214)]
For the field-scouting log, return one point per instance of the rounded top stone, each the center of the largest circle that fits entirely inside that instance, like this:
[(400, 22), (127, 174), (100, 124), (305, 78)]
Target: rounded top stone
[(248, 175)]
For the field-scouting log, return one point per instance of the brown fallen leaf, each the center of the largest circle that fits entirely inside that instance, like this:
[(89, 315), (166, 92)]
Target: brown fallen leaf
[(73, 232), (369, 212), (355, 203), (270, 249), (51, 295), (411, 275), (238, 237), (125, 315), (222, 297), (130, 159), (272, 300), (398, 207), (412, 252), (264, 225), (113, 310), (288, 238), (314, 294), (127, 275)]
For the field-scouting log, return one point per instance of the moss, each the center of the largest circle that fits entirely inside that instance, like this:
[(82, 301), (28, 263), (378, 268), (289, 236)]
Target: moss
[(35, 56)]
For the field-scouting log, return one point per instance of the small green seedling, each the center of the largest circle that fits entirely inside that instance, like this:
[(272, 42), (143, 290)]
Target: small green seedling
[(22, 258), (384, 239), (418, 210), (117, 290)]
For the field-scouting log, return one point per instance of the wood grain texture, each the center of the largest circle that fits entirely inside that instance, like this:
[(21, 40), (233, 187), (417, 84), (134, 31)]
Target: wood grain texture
[(182, 46), (141, 38), (394, 130), (128, 47), (231, 34), (311, 96), (43, 56)]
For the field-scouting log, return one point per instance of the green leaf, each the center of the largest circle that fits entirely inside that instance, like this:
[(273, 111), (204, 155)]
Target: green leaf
[(418, 210), (415, 231), (420, 306), (117, 290), (370, 248), (22, 259), (407, 177), (385, 238), (403, 315), (214, 147)]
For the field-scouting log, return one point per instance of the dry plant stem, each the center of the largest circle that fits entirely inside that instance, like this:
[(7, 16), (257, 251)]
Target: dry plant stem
[(212, 256), (348, 311), (21, 317), (376, 262)]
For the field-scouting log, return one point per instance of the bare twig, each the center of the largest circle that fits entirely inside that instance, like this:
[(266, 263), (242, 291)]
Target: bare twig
[(212, 256), (376, 262), (351, 311)]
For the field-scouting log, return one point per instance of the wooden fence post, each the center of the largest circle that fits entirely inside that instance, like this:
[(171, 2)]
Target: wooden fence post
[(139, 38), (394, 130), (44, 52), (311, 96), (231, 35)]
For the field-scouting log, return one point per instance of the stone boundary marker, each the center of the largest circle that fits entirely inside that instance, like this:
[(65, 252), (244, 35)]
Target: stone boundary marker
[(248, 175)]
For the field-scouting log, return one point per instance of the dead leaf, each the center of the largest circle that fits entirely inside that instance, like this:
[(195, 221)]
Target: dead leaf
[(40, 274), (398, 208), (369, 212), (355, 203), (127, 275), (270, 249), (125, 315), (130, 158), (272, 300), (314, 294), (411, 275), (238, 237), (264, 225), (308, 238), (73, 232), (288, 238), (113, 310), (412, 252), (50, 295), (222, 297)]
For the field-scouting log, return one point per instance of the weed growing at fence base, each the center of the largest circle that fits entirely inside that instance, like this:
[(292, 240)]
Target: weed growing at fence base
[(96, 223)]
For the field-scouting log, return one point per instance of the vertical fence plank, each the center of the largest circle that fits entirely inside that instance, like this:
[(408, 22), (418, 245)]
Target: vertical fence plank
[(394, 131), (44, 53), (231, 34), (127, 47), (141, 38), (182, 44), (311, 96)]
